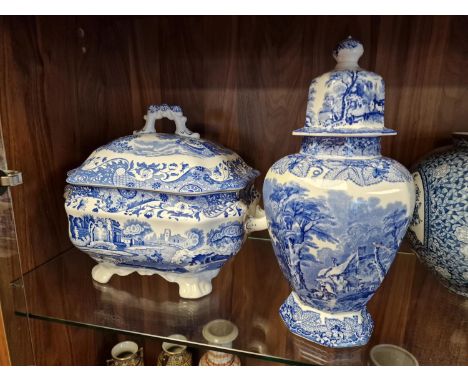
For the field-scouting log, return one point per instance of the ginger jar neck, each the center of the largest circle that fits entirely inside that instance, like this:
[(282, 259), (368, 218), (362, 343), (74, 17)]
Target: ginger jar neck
[(341, 147)]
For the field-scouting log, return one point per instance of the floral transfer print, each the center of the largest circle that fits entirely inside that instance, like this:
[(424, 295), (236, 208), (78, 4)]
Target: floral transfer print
[(173, 177), (341, 146), (445, 187), (154, 205), (365, 172)]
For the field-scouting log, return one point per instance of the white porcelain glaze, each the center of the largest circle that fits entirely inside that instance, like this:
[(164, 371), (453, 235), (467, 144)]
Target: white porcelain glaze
[(348, 100), (338, 210), (172, 205)]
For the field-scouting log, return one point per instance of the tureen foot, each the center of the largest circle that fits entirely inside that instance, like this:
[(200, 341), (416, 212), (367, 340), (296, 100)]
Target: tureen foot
[(103, 272), (338, 330), (191, 285)]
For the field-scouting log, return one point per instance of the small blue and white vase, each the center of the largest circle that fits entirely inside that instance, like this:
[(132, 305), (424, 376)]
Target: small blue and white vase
[(439, 229), (337, 211), (174, 205)]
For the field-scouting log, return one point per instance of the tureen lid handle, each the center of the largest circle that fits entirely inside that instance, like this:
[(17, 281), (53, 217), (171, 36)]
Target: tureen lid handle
[(347, 54), (173, 113)]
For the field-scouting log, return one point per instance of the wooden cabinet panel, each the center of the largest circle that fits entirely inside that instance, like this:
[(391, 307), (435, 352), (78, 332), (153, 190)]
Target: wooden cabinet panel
[(70, 84), (4, 352), (39, 122)]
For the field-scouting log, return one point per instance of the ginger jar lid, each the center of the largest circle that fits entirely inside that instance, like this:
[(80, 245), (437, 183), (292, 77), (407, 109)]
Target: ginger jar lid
[(347, 101), (180, 163)]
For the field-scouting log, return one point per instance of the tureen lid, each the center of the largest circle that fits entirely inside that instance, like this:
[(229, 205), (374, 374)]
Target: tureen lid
[(347, 101), (181, 163)]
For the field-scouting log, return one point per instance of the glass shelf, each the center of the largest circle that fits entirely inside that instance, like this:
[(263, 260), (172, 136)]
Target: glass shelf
[(411, 309)]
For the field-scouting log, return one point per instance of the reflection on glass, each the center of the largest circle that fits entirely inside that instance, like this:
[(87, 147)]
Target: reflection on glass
[(181, 314), (248, 292), (310, 352)]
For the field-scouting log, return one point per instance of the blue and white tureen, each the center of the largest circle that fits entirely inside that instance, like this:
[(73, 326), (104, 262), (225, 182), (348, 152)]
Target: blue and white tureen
[(337, 210), (173, 205)]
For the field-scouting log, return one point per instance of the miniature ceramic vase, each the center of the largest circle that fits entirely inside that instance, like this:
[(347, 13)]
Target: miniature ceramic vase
[(126, 353), (439, 229), (337, 210), (175, 354), (173, 205), (220, 333)]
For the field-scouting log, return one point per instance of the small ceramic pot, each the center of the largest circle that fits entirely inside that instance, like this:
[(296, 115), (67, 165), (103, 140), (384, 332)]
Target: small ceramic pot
[(175, 354), (391, 355), (126, 353), (221, 333)]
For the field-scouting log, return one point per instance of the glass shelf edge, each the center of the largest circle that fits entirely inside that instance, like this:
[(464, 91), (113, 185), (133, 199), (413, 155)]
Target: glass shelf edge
[(195, 344)]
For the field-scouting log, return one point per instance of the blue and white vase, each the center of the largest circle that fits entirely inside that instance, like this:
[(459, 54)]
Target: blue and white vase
[(337, 210), (439, 229), (168, 204)]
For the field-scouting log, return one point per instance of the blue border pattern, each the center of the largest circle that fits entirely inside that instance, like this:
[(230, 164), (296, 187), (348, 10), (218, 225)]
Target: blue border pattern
[(330, 332), (154, 205), (173, 177), (365, 172), (164, 163)]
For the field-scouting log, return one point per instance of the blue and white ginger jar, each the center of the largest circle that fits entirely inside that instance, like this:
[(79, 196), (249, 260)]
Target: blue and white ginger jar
[(439, 229), (174, 205), (337, 211)]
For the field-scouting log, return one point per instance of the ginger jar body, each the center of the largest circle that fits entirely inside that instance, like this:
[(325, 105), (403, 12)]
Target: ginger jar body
[(337, 210)]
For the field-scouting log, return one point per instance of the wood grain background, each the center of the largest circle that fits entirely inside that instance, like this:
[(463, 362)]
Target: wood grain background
[(70, 84), (4, 351)]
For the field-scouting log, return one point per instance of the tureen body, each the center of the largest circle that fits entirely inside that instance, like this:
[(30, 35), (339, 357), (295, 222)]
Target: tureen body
[(439, 228), (174, 205), (337, 210)]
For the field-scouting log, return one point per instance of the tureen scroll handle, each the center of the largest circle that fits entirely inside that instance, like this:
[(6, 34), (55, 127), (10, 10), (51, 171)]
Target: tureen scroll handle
[(173, 113)]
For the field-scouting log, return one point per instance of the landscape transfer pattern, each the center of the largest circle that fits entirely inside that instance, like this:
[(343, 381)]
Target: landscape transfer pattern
[(134, 243), (160, 144), (348, 43), (326, 331), (351, 97), (446, 218), (335, 250)]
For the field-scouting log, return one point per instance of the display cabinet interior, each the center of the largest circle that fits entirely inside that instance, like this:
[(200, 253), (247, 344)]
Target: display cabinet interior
[(70, 84)]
